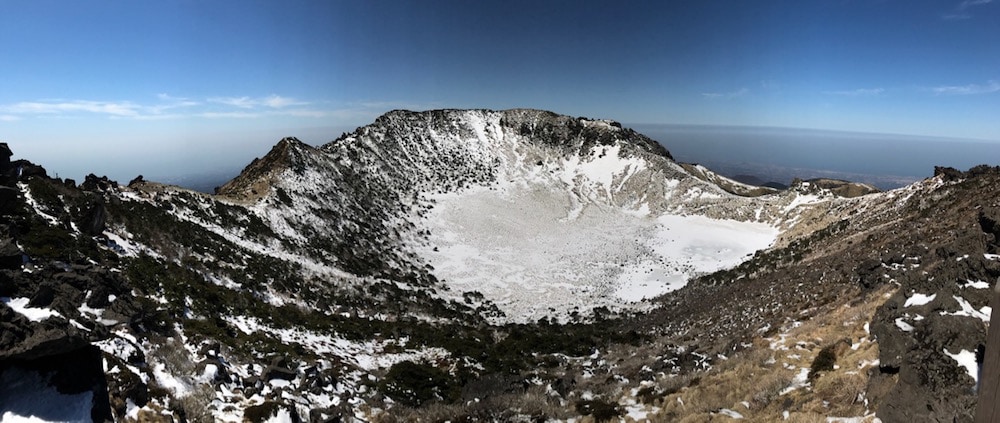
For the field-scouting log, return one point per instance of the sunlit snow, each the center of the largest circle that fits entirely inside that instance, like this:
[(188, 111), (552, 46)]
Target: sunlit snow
[(516, 246), (966, 359), (35, 314), (919, 300)]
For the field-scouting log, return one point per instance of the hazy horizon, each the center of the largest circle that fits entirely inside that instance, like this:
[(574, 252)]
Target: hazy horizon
[(772, 153), (164, 88)]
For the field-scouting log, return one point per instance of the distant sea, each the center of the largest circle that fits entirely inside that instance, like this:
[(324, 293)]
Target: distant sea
[(780, 154)]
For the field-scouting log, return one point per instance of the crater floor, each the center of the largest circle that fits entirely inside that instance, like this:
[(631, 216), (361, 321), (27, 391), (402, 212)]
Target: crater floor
[(533, 252)]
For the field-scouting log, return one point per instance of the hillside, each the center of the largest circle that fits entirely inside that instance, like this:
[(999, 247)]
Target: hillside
[(492, 265)]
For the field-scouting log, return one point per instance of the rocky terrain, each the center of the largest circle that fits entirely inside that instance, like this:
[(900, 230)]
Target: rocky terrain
[(492, 266)]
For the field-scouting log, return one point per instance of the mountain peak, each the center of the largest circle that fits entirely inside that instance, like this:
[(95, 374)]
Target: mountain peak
[(255, 179)]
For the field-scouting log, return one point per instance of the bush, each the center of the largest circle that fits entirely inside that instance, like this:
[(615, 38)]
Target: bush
[(823, 362), (414, 384), (261, 413), (600, 410)]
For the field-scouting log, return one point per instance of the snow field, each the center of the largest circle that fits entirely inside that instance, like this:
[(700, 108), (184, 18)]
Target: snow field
[(536, 250)]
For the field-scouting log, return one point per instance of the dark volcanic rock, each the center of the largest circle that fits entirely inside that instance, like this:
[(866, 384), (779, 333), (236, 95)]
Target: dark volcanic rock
[(93, 218), (949, 173), (94, 183), (24, 169), (36, 340), (278, 372), (5, 154), (10, 255), (72, 372), (919, 376)]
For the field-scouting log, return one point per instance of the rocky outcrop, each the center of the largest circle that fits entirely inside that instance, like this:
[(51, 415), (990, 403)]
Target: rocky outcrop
[(93, 183), (937, 313), (6, 176), (845, 189)]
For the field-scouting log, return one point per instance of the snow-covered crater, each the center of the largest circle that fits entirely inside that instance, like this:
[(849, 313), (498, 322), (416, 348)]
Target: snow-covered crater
[(546, 244)]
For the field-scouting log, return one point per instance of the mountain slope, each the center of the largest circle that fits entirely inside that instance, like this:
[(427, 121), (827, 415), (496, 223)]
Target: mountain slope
[(388, 196), (493, 265)]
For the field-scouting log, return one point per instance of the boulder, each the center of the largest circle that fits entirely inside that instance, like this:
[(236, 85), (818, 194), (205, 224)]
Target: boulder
[(33, 340), (136, 182), (9, 199), (278, 372), (92, 217), (10, 255), (5, 154), (24, 169), (94, 183), (221, 375)]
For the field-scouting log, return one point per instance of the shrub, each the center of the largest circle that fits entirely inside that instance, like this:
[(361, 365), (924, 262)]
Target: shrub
[(601, 411), (823, 362), (414, 384), (261, 413)]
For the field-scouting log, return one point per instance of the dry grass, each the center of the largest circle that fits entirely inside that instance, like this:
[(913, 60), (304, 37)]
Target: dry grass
[(504, 407), (751, 382)]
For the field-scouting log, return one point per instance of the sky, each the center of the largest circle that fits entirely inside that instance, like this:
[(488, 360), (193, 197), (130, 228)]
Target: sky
[(172, 87)]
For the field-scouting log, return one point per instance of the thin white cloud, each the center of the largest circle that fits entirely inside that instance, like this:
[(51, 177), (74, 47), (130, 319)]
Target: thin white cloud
[(241, 102), (860, 92), (962, 10), (229, 115), (273, 101), (729, 95), (278, 102), (971, 89), (168, 97), (170, 103), (61, 107), (969, 3), (166, 107)]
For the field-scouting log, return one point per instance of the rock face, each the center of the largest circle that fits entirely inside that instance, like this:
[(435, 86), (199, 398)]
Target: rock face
[(5, 155), (933, 326), (7, 176), (44, 340)]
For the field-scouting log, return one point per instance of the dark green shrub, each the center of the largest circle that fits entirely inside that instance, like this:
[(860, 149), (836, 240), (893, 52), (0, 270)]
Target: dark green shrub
[(601, 411), (414, 384), (823, 362), (261, 413)]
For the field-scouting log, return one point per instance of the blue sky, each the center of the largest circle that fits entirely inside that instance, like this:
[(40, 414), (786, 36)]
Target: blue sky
[(125, 87)]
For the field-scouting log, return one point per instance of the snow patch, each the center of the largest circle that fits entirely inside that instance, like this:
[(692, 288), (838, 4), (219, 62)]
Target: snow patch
[(919, 300), (35, 314), (966, 359), (968, 311), (975, 284), (799, 381), (730, 413)]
